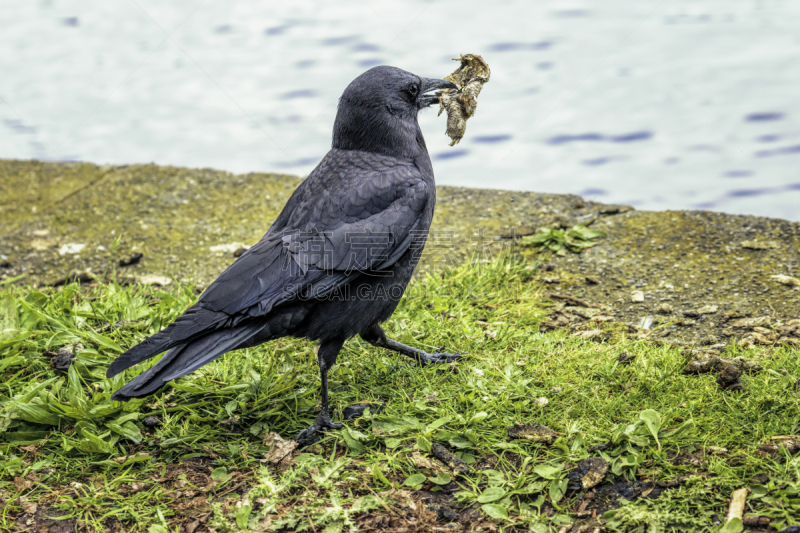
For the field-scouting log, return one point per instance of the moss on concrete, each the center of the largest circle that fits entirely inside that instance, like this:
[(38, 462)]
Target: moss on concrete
[(680, 261)]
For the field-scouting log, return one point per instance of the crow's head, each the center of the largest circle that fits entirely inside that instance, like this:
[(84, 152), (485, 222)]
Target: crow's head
[(378, 111)]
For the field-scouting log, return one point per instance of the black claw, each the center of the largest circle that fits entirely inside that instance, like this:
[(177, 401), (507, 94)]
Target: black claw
[(309, 435), (441, 357)]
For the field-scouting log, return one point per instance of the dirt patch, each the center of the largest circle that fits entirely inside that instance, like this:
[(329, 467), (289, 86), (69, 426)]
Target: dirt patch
[(188, 488), (41, 519)]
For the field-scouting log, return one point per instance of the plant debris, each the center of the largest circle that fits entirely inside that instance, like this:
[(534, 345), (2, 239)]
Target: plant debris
[(458, 465), (560, 241), (533, 432), (461, 103), (351, 412), (280, 451), (151, 421), (729, 377), (62, 359), (587, 473), (706, 364)]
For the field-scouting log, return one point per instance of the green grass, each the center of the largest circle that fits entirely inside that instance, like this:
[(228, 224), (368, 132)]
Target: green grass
[(61, 433)]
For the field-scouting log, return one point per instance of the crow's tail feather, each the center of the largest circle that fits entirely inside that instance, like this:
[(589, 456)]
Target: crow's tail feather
[(184, 359), (194, 323)]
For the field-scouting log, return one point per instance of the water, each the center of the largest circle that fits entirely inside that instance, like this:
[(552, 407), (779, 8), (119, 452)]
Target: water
[(670, 104)]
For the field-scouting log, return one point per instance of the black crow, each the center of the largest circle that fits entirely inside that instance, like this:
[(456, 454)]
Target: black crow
[(335, 262)]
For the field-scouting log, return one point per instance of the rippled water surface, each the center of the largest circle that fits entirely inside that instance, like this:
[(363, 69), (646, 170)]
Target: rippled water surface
[(661, 104)]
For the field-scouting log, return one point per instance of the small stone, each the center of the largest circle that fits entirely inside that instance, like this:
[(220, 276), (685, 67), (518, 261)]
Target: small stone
[(71, 248), (625, 358), (664, 308), (40, 245), (759, 245), (227, 248), (161, 281), (239, 252), (749, 322), (708, 340), (586, 312), (591, 334), (707, 310), (592, 280), (132, 260), (789, 281), (151, 422), (541, 402), (753, 339), (637, 296), (552, 280)]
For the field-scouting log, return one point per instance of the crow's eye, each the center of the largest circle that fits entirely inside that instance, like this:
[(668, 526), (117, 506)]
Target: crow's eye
[(413, 88)]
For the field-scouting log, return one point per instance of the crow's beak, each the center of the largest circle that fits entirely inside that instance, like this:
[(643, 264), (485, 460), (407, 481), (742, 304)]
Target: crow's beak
[(432, 84)]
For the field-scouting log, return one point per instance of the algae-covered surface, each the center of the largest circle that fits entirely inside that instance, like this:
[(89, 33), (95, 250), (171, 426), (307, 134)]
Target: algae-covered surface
[(698, 272)]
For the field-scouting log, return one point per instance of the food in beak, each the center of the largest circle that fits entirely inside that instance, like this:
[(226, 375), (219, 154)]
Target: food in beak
[(461, 103)]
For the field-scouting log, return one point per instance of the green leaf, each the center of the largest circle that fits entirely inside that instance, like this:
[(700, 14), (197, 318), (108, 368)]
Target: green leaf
[(365, 503), (442, 479), (15, 360), (377, 475), (423, 444), (221, 474), (127, 430), (531, 488), (498, 512), (547, 471), (732, 526), (460, 441), (676, 431), (352, 443), (492, 494), (392, 443), (36, 414), (415, 481), (653, 422), (557, 489), (437, 423), (478, 417), (394, 425), (337, 526), (243, 515)]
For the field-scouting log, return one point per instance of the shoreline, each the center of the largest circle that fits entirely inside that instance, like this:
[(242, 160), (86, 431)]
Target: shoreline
[(62, 220)]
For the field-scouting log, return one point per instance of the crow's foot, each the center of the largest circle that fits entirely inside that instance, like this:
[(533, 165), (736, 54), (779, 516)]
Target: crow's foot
[(308, 436), (440, 357), (436, 357)]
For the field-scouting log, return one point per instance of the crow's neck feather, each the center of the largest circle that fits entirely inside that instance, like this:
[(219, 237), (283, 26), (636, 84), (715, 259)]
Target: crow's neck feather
[(376, 130)]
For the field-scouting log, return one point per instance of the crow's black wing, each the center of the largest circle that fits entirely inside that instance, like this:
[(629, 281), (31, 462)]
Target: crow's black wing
[(344, 220)]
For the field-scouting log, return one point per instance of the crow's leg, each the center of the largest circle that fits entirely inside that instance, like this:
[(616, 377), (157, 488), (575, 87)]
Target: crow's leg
[(326, 356), (377, 337)]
